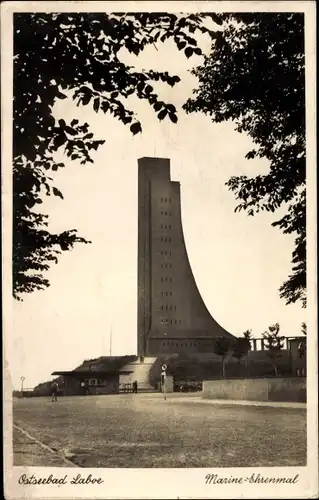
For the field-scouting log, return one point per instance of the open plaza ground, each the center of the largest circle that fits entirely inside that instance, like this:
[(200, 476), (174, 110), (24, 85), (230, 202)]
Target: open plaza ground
[(144, 430)]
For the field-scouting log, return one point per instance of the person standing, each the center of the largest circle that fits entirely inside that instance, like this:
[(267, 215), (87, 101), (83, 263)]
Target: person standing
[(135, 387), (302, 358), (54, 392)]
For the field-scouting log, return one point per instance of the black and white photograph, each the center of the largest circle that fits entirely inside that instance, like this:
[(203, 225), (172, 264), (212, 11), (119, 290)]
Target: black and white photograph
[(159, 242)]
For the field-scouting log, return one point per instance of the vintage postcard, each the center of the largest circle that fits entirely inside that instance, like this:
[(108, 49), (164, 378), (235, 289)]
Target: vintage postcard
[(159, 250)]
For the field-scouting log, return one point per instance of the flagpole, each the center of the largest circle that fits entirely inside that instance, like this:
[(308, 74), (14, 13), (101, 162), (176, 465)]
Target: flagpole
[(111, 341)]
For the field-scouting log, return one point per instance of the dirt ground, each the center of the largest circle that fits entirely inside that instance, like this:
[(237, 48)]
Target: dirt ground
[(146, 431)]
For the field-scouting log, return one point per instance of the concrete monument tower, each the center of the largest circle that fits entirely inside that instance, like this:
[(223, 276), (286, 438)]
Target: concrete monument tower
[(172, 317)]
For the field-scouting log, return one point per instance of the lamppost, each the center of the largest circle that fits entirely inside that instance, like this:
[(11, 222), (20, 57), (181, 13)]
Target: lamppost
[(163, 379), (22, 380)]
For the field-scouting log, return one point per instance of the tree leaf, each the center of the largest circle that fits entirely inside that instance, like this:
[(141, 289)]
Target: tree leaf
[(57, 192), (135, 128), (59, 140), (173, 117), (140, 86), (96, 104), (191, 40), (171, 108), (148, 89), (175, 79), (86, 99), (198, 51), (216, 19), (105, 106), (181, 45), (162, 114), (158, 106)]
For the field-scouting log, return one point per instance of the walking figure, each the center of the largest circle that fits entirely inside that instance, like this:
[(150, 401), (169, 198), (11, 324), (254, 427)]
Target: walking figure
[(135, 387), (54, 392), (302, 349), (302, 354)]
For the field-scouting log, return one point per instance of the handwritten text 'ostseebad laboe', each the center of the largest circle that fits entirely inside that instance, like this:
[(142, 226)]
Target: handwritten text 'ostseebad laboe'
[(56, 480)]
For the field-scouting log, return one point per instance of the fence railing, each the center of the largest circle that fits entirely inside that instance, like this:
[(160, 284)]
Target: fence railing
[(23, 394), (126, 387)]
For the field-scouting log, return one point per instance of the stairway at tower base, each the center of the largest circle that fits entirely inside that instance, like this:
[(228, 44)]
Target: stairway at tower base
[(139, 371)]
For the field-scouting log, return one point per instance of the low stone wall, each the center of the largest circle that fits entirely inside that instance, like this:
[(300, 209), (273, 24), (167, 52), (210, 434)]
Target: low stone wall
[(267, 389)]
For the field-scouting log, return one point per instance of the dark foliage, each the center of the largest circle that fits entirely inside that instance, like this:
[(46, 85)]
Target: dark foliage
[(304, 328), (274, 344), (255, 76), (240, 348), (199, 367), (45, 388), (58, 54), (221, 347)]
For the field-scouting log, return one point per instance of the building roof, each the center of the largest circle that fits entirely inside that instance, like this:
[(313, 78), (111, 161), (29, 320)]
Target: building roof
[(102, 366), (106, 364)]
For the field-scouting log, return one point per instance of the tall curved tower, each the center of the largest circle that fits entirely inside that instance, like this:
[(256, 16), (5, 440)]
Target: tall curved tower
[(172, 316)]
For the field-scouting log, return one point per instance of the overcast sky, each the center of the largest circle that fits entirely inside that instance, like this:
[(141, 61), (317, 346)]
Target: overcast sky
[(239, 262)]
